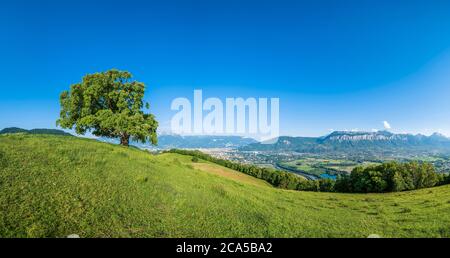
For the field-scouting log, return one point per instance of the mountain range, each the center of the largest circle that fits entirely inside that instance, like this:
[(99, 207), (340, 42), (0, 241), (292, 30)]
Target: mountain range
[(349, 140), (338, 141), (167, 141)]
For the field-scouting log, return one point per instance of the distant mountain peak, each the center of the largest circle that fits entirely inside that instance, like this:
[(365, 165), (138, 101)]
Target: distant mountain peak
[(341, 136), (347, 141), (168, 141), (438, 135)]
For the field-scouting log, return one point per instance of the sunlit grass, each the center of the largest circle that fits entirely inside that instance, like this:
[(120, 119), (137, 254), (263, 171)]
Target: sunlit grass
[(53, 186)]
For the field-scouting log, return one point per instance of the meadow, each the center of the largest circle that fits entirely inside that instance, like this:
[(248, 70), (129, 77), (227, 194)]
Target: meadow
[(321, 166), (54, 186)]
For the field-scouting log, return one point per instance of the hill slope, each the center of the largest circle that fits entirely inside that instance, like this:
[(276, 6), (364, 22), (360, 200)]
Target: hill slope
[(55, 186), (9, 130)]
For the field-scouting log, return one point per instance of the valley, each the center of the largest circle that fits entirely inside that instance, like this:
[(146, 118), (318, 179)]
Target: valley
[(340, 152), (316, 165), (54, 186)]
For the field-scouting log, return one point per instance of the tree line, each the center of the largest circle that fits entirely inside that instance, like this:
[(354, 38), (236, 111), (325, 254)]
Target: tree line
[(388, 177), (391, 177)]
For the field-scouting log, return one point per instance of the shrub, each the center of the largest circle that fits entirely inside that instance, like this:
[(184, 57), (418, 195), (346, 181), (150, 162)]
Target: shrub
[(389, 177)]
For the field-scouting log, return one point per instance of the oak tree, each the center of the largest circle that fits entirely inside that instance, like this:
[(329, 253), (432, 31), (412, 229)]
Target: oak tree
[(109, 104)]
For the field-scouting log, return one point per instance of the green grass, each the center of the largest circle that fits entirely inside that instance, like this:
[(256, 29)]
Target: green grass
[(53, 186), (319, 166)]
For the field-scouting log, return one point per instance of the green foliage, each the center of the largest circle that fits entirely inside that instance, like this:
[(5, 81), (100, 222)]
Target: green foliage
[(54, 186), (444, 179), (3, 159), (194, 159), (110, 104), (389, 177)]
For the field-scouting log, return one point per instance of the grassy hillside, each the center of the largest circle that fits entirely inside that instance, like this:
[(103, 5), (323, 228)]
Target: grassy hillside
[(55, 186)]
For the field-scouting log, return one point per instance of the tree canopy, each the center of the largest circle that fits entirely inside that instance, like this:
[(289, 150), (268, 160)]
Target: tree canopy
[(109, 104)]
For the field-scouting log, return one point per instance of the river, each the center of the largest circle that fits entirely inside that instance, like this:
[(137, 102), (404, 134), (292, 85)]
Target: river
[(305, 175)]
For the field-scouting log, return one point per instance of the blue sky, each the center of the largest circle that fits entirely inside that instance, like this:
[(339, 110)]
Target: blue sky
[(335, 65)]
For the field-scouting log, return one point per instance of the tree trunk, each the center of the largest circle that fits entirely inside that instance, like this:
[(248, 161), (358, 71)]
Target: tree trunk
[(124, 139)]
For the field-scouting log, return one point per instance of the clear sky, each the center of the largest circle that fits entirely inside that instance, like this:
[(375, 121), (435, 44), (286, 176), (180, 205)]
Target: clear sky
[(335, 65)]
